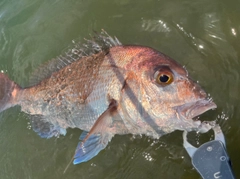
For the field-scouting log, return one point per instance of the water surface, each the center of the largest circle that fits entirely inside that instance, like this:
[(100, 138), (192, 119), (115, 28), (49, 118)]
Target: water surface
[(201, 35)]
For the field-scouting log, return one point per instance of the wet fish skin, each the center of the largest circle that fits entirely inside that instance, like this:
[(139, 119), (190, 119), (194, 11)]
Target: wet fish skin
[(114, 91), (87, 86), (145, 106)]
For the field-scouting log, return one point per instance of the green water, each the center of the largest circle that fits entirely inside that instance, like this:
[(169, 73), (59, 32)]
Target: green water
[(202, 35)]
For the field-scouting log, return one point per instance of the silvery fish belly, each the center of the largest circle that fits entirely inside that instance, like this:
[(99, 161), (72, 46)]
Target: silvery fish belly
[(106, 88)]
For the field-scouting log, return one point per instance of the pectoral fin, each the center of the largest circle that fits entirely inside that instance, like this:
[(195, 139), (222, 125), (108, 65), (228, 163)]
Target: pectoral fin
[(98, 137), (91, 147)]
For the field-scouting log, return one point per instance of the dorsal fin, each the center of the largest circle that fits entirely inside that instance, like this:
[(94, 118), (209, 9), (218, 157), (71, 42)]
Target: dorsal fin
[(97, 43)]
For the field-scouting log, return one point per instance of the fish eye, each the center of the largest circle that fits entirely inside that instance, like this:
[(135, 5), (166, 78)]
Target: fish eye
[(163, 77)]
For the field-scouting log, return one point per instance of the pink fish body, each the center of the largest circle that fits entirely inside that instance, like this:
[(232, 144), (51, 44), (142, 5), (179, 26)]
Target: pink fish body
[(114, 89)]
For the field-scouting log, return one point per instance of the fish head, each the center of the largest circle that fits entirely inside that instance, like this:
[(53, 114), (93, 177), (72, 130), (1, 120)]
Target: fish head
[(159, 92)]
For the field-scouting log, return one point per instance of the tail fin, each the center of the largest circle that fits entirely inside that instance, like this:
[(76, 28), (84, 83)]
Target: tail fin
[(8, 92)]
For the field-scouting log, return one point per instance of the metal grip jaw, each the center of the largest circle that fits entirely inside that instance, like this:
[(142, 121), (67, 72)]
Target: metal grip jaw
[(210, 159)]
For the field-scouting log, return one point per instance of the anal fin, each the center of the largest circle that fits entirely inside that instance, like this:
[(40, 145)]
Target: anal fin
[(97, 138), (44, 128)]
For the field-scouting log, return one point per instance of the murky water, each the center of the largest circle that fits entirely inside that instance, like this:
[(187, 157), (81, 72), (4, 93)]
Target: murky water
[(202, 35)]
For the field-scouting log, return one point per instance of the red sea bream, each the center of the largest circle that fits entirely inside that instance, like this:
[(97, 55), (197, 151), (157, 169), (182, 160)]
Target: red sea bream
[(106, 88)]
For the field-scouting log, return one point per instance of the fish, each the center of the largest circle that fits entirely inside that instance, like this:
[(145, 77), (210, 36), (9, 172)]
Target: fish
[(105, 88)]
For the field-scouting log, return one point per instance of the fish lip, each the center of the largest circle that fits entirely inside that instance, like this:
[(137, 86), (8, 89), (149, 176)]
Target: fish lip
[(193, 109)]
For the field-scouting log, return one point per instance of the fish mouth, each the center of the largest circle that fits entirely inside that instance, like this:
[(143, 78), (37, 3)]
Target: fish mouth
[(194, 109)]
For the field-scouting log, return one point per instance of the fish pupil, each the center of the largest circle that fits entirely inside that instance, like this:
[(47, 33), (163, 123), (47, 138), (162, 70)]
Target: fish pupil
[(164, 78)]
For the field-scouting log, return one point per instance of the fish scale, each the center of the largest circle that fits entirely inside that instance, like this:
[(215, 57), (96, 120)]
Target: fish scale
[(105, 88)]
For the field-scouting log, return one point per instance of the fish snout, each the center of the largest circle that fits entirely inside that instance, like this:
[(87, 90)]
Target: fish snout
[(198, 92), (198, 104)]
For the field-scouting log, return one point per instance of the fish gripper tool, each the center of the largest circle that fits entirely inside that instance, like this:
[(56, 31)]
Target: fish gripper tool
[(210, 159)]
